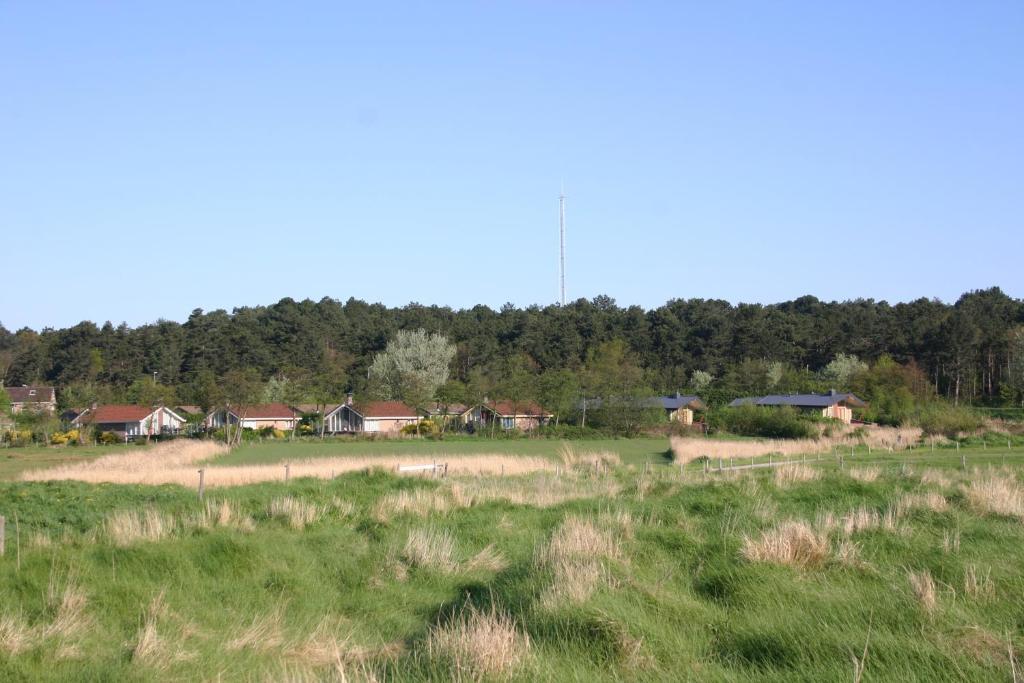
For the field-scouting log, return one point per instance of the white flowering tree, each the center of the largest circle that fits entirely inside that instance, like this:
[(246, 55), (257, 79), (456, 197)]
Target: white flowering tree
[(413, 367), (842, 369)]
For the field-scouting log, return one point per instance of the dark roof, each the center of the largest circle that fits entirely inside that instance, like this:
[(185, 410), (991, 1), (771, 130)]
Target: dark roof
[(679, 401), (832, 398), (667, 402), (27, 394)]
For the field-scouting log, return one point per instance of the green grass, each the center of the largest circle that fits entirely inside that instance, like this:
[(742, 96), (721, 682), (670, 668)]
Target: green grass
[(680, 603), (14, 461)]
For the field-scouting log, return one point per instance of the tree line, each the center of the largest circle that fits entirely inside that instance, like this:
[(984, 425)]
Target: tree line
[(971, 351)]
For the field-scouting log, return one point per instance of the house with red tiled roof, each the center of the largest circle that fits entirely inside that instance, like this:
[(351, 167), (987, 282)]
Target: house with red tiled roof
[(32, 398), (375, 417), (523, 415), (130, 421), (258, 416)]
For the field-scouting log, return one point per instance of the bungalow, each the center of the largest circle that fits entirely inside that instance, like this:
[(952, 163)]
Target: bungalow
[(32, 398), (260, 416), (523, 415), (190, 412), (834, 404), (447, 413), (378, 417), (131, 421), (680, 408)]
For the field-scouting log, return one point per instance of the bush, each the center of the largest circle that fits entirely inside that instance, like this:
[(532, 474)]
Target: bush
[(947, 420), (773, 423), (62, 438), (18, 437), (108, 438), (271, 433)]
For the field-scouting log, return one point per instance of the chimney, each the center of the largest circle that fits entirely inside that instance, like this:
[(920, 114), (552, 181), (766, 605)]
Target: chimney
[(93, 406), (348, 399)]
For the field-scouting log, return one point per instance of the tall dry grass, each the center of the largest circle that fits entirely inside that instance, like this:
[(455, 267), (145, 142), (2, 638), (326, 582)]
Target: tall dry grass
[(688, 449), (923, 587), (176, 463), (137, 465), (416, 502), (576, 557), (126, 527), (297, 512), (541, 490), (794, 543), (70, 622), (787, 475), (864, 474), (430, 548), (996, 493), (479, 644)]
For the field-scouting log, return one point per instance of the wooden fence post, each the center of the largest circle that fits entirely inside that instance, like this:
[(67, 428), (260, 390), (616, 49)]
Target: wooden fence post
[(840, 461), (287, 472), (963, 461), (769, 460), (3, 534), (202, 483)]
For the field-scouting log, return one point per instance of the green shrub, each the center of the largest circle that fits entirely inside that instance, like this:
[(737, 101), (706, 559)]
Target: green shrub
[(108, 438), (947, 420), (773, 423)]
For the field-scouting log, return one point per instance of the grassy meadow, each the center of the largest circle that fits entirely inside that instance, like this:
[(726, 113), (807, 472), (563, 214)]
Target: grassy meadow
[(898, 566)]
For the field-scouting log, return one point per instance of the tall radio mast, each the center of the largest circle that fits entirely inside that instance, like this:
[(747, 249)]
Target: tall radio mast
[(561, 243)]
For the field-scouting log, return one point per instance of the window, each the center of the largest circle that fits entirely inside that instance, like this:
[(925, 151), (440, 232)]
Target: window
[(508, 423)]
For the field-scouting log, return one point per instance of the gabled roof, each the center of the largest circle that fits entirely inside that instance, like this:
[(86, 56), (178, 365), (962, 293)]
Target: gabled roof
[(679, 401), (116, 413), (384, 409), (447, 409), (264, 411), (190, 410), (31, 394), (516, 409), (831, 398)]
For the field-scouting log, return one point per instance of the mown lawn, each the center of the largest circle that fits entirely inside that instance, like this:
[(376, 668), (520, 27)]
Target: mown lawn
[(14, 461), (630, 575)]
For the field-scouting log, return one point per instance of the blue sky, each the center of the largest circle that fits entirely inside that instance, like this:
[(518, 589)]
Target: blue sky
[(160, 157)]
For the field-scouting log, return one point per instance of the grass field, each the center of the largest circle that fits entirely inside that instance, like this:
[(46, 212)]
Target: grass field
[(790, 573)]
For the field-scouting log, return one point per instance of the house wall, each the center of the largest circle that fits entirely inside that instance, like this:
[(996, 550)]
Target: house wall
[(838, 412), (527, 423), (386, 425), (217, 420), (36, 406), (682, 415), (260, 423)]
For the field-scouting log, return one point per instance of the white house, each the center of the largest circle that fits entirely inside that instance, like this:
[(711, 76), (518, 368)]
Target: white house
[(130, 421)]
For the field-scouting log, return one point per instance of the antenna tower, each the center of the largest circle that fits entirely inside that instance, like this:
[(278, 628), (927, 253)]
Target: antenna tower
[(561, 244)]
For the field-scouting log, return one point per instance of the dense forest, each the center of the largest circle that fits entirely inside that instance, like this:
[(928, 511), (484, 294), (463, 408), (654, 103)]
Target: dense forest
[(969, 352)]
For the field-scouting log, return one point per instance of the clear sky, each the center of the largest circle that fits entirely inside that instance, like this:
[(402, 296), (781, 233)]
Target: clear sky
[(160, 157)]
